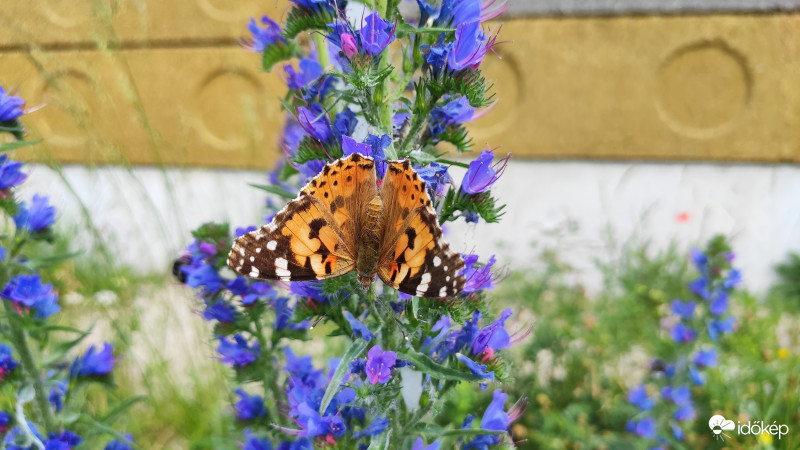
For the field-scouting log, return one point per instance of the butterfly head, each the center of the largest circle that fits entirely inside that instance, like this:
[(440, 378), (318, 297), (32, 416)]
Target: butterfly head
[(366, 280)]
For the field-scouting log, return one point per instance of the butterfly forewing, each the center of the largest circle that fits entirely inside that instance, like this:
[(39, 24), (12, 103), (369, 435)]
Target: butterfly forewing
[(413, 257), (302, 243)]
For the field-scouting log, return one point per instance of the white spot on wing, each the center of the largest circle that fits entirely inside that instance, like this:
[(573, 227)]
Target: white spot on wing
[(283, 274), (443, 291), (436, 261), (258, 249), (448, 278), (241, 251), (272, 245), (252, 258), (281, 263), (426, 278), (445, 268), (254, 272)]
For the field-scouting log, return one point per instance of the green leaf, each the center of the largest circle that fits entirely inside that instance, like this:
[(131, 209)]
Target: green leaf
[(429, 429), (8, 146), (415, 306), (121, 409), (458, 136), (355, 349), (470, 432), (454, 163), (467, 83), (60, 351), (51, 261), (274, 190), (304, 19), (278, 52), (426, 365), (26, 393)]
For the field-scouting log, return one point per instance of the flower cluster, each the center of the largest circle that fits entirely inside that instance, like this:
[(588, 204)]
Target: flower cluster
[(697, 325), (29, 302), (342, 100)]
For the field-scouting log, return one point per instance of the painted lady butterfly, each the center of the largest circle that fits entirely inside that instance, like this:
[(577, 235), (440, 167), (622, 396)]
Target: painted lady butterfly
[(340, 222)]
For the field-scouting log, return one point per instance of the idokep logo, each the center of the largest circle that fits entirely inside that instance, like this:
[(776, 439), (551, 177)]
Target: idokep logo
[(719, 425)]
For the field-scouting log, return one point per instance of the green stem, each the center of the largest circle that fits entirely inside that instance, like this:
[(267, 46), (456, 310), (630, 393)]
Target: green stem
[(20, 343), (322, 49)]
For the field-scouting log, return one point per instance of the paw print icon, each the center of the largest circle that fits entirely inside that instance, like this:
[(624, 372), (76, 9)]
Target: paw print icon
[(719, 425)]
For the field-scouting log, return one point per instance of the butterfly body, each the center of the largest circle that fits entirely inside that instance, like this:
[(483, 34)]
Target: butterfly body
[(341, 222)]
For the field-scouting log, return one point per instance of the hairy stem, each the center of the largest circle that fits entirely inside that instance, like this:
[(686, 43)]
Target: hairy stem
[(20, 343)]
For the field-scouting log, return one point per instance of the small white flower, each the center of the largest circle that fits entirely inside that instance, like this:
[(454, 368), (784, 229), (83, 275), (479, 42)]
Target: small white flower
[(106, 297), (72, 298)]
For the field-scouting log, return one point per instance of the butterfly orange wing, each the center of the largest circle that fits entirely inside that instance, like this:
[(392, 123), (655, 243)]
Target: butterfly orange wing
[(413, 257), (314, 236)]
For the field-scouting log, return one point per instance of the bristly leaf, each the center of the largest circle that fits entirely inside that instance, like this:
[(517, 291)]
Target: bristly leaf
[(14, 127), (280, 51), (456, 203), (470, 84), (311, 149), (304, 19), (8, 146), (458, 136), (426, 365)]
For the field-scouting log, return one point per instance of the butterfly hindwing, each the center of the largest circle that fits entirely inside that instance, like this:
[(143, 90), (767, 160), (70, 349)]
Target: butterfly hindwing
[(413, 257), (302, 243)]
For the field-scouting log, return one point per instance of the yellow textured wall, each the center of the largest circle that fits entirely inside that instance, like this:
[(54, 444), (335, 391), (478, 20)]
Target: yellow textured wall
[(153, 82)]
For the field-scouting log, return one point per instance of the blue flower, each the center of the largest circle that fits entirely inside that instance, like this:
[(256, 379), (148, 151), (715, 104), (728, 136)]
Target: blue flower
[(379, 364), (679, 395), (302, 368), (376, 34), (9, 172), (249, 407), (683, 309), (313, 424), (734, 277), (350, 146), (378, 146), (494, 418), (359, 329), (435, 176), (57, 394), (258, 290), (7, 362), (699, 259), (202, 275), (344, 123), (116, 444), (38, 217), (469, 48), (284, 313), (455, 111), (28, 291), (478, 278), (435, 56), (492, 337), (685, 412), (715, 327), (239, 232), (220, 311), (681, 333), (10, 106), (375, 428), (94, 364), (419, 444), (706, 358), (475, 368), (314, 4), (481, 174), (646, 428), (253, 442), (62, 441), (238, 353), (638, 397), (310, 70), (314, 121), (700, 288), (309, 289), (11, 437), (719, 305), (5, 420), (238, 286), (263, 37), (456, 12)]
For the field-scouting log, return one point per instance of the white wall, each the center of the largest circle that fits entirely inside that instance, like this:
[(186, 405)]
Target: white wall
[(145, 214)]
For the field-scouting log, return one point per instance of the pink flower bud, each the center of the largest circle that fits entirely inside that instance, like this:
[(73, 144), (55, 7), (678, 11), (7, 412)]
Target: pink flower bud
[(349, 45)]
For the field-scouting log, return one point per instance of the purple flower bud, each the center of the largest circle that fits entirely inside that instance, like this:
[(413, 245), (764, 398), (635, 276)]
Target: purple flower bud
[(349, 45), (481, 174), (249, 407), (379, 364), (36, 217), (262, 38), (238, 353), (30, 292), (7, 362)]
